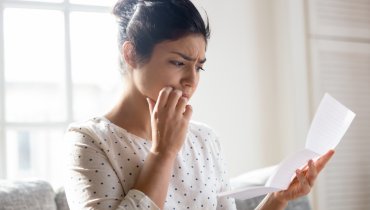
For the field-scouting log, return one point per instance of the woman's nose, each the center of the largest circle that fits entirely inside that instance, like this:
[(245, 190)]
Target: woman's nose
[(190, 77)]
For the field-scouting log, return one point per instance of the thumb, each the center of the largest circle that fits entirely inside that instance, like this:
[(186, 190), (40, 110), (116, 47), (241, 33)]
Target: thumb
[(151, 104)]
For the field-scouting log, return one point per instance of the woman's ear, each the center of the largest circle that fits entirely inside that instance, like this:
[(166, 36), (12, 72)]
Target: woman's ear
[(128, 53)]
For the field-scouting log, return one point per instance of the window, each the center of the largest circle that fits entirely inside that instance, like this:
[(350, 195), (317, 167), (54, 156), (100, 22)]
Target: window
[(58, 64)]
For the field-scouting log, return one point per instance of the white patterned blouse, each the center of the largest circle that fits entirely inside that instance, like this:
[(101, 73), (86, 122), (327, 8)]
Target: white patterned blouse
[(104, 161)]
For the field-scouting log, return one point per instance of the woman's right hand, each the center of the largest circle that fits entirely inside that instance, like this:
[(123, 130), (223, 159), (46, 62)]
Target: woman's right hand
[(170, 116)]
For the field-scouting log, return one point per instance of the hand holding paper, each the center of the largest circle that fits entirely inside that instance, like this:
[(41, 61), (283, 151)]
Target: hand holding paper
[(330, 123), (305, 179)]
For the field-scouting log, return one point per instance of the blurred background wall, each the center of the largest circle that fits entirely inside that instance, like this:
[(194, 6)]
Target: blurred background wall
[(278, 59)]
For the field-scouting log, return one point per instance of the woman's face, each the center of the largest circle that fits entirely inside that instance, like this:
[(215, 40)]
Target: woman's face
[(173, 63)]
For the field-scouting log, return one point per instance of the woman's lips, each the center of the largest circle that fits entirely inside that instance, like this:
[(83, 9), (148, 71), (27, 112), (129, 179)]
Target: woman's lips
[(186, 96)]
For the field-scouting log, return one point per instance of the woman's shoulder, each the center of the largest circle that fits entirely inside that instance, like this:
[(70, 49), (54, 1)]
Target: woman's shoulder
[(94, 128), (204, 133), (95, 123), (200, 127)]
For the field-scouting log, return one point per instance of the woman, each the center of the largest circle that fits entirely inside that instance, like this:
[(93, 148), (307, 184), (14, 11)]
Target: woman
[(146, 153)]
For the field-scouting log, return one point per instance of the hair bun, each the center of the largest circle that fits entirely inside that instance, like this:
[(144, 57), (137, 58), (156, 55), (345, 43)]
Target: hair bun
[(124, 9)]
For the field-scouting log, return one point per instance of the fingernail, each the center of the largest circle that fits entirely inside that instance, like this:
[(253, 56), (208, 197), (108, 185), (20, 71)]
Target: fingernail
[(168, 89)]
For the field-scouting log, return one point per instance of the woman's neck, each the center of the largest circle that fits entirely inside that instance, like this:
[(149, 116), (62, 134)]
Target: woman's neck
[(132, 113)]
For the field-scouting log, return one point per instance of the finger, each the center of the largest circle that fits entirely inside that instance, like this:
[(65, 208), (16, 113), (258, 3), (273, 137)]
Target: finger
[(303, 182), (300, 177), (305, 168), (151, 105), (163, 96), (321, 162), (183, 101), (311, 173), (173, 98), (188, 112)]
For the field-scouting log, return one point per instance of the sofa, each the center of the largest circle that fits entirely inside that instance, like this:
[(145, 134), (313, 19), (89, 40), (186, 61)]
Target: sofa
[(39, 195), (31, 195)]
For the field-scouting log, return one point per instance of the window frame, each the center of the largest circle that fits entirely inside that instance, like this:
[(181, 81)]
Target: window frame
[(66, 8)]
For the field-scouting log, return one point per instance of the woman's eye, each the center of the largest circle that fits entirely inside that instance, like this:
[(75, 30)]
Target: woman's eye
[(177, 63), (181, 64), (200, 68)]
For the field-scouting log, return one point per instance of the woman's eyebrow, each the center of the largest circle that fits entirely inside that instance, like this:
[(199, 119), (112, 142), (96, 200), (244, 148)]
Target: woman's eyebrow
[(188, 58)]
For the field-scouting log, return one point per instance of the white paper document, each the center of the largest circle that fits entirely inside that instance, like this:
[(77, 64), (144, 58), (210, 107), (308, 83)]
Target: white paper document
[(329, 125)]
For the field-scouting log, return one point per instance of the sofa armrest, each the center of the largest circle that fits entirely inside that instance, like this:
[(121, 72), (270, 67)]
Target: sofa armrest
[(301, 203), (28, 195)]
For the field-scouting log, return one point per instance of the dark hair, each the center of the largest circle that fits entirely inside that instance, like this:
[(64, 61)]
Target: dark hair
[(146, 23)]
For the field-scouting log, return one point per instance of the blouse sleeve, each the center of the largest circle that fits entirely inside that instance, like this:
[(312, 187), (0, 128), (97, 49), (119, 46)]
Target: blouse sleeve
[(92, 183), (223, 202)]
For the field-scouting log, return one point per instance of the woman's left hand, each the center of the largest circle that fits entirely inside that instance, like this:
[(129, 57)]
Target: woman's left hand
[(304, 180)]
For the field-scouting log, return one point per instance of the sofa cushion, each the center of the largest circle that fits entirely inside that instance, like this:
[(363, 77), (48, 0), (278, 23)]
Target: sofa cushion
[(301, 203), (61, 199), (30, 195)]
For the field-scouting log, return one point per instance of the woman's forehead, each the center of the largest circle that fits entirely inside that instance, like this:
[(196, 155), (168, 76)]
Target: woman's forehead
[(191, 46)]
